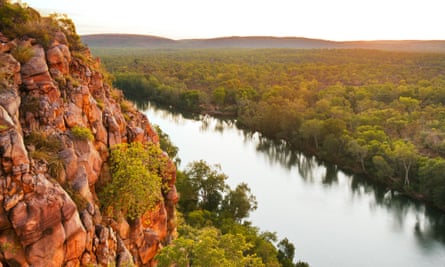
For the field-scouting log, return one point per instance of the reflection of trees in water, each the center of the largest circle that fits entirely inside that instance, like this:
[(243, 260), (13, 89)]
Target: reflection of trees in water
[(331, 174), (430, 223), (277, 152)]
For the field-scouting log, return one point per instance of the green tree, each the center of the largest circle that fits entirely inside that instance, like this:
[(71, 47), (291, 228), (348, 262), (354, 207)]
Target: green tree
[(239, 203), (286, 253), (136, 180), (191, 99), (208, 182), (167, 145), (405, 153), (382, 168), (312, 129), (208, 247), (432, 179), (359, 149), (219, 95)]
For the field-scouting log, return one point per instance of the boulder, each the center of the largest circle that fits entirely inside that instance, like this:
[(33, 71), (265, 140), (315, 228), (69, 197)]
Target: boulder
[(37, 63), (59, 58)]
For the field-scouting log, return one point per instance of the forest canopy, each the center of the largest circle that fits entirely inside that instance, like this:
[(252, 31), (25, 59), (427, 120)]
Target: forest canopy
[(374, 113)]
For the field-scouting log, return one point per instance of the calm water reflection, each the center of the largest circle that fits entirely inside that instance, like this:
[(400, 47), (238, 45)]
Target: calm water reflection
[(333, 219)]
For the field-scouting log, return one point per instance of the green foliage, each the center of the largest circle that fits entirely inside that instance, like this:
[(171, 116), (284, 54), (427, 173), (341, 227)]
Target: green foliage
[(22, 53), (238, 203), (208, 185), (208, 247), (126, 106), (191, 100), (136, 184), (82, 133), (286, 253), (348, 107), (432, 179), (301, 264), (18, 20), (10, 248), (167, 145), (224, 210)]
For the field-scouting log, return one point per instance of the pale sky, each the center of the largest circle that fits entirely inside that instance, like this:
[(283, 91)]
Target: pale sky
[(338, 20)]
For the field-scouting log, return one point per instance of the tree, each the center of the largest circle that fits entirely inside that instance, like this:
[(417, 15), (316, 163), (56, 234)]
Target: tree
[(432, 179), (208, 183), (359, 149), (382, 169), (239, 203), (286, 253), (219, 95), (191, 99), (208, 247), (312, 129), (405, 153), (166, 144)]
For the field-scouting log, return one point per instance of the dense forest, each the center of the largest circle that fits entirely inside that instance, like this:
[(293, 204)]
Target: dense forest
[(374, 113)]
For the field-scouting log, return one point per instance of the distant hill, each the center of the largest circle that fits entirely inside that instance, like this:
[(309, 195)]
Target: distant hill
[(147, 41), (258, 42), (125, 40)]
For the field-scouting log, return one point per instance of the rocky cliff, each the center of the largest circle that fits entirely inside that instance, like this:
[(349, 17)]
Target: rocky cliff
[(50, 173)]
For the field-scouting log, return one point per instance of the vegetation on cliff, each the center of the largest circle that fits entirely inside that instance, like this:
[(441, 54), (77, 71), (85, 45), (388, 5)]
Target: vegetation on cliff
[(60, 120), (372, 112), (18, 20)]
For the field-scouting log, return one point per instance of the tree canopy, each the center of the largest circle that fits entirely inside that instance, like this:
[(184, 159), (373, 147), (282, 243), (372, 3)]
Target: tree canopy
[(373, 113)]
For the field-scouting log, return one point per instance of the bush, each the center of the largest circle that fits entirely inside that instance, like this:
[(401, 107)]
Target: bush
[(17, 20), (22, 53), (136, 180), (47, 148), (82, 133)]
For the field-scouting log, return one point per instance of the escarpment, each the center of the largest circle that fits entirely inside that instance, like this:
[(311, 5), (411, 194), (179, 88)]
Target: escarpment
[(59, 118)]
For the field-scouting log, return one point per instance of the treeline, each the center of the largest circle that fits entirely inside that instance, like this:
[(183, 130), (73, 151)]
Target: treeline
[(214, 230), (375, 113)]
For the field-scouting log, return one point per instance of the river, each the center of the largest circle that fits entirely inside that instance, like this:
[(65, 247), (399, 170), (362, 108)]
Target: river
[(333, 219)]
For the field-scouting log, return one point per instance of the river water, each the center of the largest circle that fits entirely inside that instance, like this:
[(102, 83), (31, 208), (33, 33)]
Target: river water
[(332, 218)]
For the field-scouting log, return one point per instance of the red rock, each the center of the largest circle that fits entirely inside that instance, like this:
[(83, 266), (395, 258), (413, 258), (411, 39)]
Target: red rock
[(37, 63), (36, 213), (49, 250)]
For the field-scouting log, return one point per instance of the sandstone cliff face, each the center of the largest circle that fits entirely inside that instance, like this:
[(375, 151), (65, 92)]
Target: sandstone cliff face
[(49, 209)]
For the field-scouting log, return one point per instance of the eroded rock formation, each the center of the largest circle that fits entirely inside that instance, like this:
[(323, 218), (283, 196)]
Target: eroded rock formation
[(49, 212)]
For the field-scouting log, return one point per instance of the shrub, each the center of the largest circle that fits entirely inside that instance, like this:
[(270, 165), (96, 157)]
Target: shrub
[(47, 149), (22, 53), (82, 133), (126, 106), (43, 142), (17, 20), (136, 183)]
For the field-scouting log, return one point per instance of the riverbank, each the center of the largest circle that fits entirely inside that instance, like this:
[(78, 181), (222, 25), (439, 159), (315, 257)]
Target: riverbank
[(322, 210), (393, 184)]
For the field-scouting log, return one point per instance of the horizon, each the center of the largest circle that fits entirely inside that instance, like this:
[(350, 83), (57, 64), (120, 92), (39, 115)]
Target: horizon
[(339, 21), (264, 36)]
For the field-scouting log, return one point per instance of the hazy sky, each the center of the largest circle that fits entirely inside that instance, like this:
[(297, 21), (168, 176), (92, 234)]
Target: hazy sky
[(324, 19)]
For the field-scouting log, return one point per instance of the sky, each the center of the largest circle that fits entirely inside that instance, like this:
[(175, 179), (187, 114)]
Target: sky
[(337, 20)]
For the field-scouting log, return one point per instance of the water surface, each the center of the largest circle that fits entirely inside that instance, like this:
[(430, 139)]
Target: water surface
[(332, 218)]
